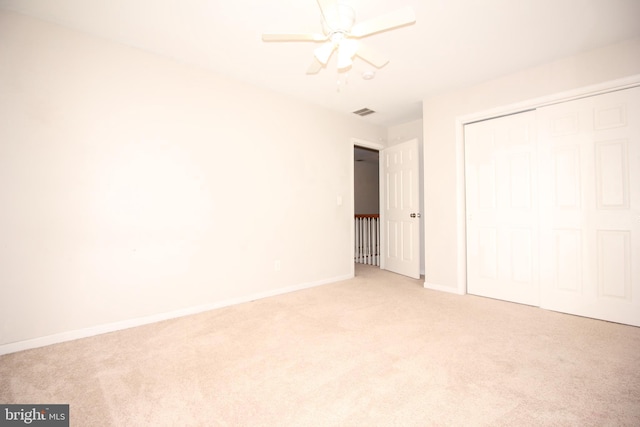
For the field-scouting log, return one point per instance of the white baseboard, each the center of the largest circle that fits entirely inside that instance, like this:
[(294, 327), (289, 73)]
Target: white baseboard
[(442, 288), (140, 321)]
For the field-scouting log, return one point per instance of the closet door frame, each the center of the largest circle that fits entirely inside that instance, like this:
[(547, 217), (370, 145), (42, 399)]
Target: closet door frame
[(461, 121)]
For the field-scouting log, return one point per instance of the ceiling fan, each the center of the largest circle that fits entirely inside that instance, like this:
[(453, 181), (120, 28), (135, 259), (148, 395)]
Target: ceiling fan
[(340, 33)]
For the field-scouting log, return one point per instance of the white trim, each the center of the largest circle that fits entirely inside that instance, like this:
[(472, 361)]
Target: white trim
[(568, 95), (367, 144), (382, 192), (461, 213), (140, 321), (442, 288), (352, 208)]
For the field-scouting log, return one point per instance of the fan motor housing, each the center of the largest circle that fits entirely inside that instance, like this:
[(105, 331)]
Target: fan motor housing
[(338, 18)]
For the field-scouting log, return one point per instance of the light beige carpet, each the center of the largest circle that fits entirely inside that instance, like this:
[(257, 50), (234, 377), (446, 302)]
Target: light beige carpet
[(377, 350)]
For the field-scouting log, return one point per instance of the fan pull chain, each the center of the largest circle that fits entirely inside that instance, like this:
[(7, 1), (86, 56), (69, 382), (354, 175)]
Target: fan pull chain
[(346, 81)]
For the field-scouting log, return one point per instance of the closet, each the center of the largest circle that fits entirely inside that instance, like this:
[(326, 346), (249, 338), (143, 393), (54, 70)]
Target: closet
[(553, 207)]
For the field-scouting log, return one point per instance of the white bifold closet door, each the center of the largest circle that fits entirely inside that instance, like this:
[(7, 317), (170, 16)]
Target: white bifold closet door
[(502, 209), (590, 206), (553, 207)]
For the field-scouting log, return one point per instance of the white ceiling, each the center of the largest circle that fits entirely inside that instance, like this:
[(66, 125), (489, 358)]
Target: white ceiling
[(454, 43)]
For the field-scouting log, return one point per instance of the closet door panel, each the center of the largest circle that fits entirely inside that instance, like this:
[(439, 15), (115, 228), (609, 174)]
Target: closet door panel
[(589, 163), (501, 187)]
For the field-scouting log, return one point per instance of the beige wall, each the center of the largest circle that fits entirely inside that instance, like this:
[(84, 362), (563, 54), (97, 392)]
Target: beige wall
[(404, 132), (134, 186), (443, 177)]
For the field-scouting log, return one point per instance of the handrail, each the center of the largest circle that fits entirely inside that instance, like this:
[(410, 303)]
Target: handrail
[(367, 215)]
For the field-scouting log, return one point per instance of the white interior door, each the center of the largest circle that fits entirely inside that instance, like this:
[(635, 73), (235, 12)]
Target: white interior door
[(590, 206), (400, 209), (502, 209)]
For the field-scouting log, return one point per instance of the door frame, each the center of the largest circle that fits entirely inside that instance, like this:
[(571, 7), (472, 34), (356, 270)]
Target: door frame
[(373, 146), (461, 121)]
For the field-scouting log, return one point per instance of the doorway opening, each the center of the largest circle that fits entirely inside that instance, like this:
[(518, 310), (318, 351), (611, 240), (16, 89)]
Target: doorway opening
[(366, 182), (366, 191)]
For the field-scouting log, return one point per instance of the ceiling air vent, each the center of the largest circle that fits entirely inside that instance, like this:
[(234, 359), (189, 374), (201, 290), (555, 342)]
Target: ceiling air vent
[(364, 112)]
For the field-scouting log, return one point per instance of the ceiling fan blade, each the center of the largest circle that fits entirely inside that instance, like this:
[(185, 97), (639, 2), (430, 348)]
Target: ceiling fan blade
[(371, 56), (315, 67), (275, 37), (384, 22)]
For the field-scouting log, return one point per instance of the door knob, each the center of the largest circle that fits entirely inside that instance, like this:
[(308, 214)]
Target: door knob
[(415, 215)]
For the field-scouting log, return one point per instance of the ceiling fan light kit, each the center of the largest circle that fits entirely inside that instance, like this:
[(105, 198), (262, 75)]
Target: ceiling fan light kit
[(340, 33), (346, 51)]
